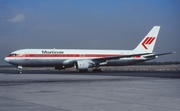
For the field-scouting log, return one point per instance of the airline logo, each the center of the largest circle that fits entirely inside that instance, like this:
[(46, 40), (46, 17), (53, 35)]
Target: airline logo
[(148, 41), (52, 52)]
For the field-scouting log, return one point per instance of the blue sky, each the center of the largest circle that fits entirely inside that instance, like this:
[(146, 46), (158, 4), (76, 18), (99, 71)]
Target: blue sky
[(88, 24)]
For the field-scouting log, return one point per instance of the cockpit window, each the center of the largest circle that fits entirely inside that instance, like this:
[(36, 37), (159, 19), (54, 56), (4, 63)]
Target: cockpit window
[(12, 54)]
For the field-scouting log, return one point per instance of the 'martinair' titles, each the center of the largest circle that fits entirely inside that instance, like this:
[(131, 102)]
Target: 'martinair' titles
[(52, 52)]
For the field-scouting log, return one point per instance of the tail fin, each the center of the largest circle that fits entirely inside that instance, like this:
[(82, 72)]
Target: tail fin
[(147, 44)]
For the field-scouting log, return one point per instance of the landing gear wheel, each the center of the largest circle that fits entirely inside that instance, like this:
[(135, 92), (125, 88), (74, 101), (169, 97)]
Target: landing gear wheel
[(84, 70), (19, 72), (96, 70)]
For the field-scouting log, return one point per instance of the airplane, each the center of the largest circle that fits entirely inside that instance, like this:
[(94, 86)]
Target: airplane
[(83, 59)]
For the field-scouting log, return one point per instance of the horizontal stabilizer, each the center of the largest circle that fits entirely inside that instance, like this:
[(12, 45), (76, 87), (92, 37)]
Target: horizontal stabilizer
[(153, 55)]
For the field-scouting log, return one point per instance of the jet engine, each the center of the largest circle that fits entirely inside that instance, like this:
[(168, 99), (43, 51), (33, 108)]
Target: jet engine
[(82, 65)]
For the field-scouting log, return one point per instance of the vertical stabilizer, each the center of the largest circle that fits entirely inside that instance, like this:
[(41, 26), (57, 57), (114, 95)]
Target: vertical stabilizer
[(148, 43)]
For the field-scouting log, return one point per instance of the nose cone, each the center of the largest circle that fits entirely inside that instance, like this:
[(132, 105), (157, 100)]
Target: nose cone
[(6, 59)]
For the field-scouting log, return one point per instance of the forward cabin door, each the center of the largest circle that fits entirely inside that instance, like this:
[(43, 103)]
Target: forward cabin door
[(26, 61)]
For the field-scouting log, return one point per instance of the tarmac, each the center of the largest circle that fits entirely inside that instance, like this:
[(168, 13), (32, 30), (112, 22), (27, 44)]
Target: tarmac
[(46, 90)]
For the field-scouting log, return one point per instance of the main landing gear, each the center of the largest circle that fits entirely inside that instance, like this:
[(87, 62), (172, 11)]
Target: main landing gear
[(84, 70), (96, 70), (19, 69)]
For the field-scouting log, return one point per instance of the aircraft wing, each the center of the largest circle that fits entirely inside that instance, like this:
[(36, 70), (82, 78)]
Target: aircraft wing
[(116, 57), (99, 60)]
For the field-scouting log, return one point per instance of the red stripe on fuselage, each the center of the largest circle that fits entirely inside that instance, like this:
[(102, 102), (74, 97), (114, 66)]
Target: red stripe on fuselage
[(137, 56), (65, 55)]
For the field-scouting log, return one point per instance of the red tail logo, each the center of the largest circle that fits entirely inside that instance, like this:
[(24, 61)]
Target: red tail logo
[(147, 41)]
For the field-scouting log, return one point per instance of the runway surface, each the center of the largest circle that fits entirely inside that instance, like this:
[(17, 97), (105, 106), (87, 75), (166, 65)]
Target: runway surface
[(73, 91)]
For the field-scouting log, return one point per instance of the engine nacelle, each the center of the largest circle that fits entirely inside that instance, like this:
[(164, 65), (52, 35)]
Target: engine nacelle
[(82, 65)]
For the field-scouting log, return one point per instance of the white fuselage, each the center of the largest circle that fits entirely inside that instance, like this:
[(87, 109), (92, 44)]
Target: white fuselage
[(61, 57)]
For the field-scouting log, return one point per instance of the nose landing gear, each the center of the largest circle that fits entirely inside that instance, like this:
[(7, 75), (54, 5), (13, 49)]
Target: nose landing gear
[(19, 69)]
